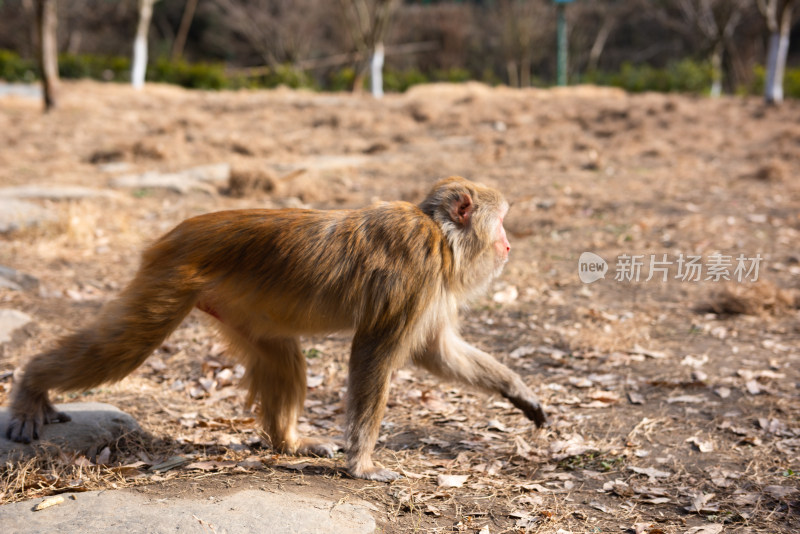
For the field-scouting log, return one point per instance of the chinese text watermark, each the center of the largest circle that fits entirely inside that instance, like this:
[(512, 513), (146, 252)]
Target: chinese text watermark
[(664, 267)]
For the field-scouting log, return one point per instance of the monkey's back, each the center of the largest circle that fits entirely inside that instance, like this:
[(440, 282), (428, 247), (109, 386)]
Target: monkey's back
[(321, 270)]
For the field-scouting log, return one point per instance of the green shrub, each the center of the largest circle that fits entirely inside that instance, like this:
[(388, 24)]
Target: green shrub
[(15, 69), (190, 75), (108, 68), (687, 76)]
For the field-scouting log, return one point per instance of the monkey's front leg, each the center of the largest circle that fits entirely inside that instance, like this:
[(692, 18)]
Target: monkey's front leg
[(452, 358), (371, 366)]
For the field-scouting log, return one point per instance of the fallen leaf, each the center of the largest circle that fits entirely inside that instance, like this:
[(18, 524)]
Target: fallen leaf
[(723, 392), (753, 387), (451, 481), (640, 528), (210, 465), (170, 463), (713, 528), (507, 295), (696, 399), (572, 446), (524, 350), (635, 398), (694, 361), (702, 445), (251, 462), (646, 352), (700, 504), (48, 502), (581, 382), (104, 457), (780, 492), (494, 424), (293, 466), (651, 472)]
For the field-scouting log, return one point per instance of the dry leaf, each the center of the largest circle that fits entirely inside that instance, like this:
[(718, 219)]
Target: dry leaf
[(650, 472), (723, 392), (713, 528), (780, 492), (210, 465), (696, 399), (753, 387), (451, 481), (702, 445), (48, 502), (700, 505), (635, 398)]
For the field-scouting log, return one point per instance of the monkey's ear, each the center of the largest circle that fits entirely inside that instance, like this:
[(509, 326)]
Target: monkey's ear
[(461, 208)]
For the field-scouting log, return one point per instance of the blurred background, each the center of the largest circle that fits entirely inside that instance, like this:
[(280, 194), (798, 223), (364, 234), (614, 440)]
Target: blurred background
[(700, 46)]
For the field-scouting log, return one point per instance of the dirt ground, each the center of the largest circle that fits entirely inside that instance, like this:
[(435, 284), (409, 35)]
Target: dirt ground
[(675, 404)]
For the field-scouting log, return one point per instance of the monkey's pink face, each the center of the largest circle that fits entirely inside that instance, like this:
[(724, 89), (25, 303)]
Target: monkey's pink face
[(501, 244)]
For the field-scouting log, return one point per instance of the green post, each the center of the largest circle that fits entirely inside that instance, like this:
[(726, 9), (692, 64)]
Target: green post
[(561, 68)]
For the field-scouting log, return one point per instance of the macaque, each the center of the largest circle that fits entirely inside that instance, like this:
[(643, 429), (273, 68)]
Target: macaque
[(394, 273)]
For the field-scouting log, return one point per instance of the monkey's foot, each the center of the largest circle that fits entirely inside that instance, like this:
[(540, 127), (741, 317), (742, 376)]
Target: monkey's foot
[(377, 474), (29, 413), (322, 447), (531, 408), (369, 471)]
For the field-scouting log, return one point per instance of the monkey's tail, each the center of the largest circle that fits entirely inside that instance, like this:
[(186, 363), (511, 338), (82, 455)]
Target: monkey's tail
[(129, 329)]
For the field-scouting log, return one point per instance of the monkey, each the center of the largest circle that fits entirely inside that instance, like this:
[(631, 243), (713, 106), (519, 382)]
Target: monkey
[(393, 273)]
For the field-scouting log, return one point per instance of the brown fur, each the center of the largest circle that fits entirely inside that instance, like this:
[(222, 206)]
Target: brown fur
[(396, 273)]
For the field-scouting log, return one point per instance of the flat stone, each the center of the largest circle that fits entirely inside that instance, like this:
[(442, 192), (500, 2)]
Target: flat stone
[(18, 215), (201, 178), (93, 424), (243, 512), (13, 279), (10, 320), (55, 192)]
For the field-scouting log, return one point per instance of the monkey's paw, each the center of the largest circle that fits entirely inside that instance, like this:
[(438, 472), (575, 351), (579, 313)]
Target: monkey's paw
[(324, 448), (377, 474), (30, 415), (531, 408)]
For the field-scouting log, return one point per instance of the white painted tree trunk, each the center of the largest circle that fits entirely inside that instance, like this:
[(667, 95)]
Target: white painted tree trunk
[(377, 71), (139, 68), (776, 64), (716, 70)]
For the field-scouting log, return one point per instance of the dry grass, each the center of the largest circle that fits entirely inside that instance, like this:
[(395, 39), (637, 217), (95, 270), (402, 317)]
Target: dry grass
[(759, 298)]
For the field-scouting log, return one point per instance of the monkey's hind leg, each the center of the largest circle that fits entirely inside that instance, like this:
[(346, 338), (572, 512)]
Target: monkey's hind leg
[(128, 330), (276, 376)]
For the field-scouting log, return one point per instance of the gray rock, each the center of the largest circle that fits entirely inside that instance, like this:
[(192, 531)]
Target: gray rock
[(201, 178), (93, 424), (18, 215), (55, 192), (248, 511), (13, 279), (10, 320)]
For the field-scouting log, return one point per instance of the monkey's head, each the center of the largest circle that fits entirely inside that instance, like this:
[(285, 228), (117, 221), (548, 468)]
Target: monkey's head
[(471, 217)]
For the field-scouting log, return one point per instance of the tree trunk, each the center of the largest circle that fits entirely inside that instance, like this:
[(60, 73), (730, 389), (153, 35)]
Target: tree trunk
[(46, 22), (140, 44), (513, 75), (779, 22), (525, 70), (376, 73), (600, 43), (183, 30), (716, 69), (776, 63)]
